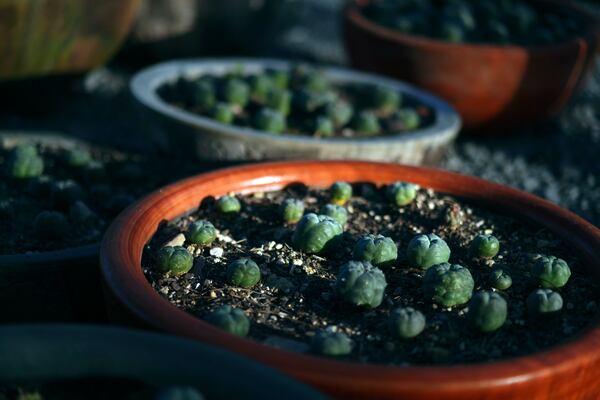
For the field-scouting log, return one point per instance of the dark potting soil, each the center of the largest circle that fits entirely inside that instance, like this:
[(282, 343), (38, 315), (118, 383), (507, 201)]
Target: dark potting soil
[(295, 297), (107, 188)]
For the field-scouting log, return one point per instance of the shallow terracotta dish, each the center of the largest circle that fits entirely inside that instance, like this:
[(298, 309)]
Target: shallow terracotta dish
[(180, 131), (490, 86), (569, 371)]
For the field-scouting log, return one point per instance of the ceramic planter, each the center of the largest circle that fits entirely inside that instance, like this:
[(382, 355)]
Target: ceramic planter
[(34, 354), (180, 131), (568, 371), (62, 36), (490, 86)]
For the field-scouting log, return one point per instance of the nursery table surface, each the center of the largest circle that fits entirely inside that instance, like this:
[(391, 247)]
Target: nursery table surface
[(556, 159)]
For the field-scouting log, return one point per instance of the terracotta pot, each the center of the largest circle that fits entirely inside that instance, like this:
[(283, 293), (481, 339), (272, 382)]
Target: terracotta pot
[(491, 86), (182, 132), (36, 354), (569, 371), (41, 37)]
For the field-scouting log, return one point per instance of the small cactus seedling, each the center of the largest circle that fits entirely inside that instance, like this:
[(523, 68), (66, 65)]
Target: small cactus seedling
[(542, 302), (279, 100), (409, 118), (322, 126), (201, 232), (426, 250), (203, 95), (175, 260), (179, 393), (270, 120), (236, 92), (228, 205), (361, 284), (376, 249), (341, 192), (340, 112), (338, 213), (260, 86), (366, 123), (80, 213), (330, 342), (223, 113), (306, 102), (500, 279), (50, 225), (487, 311), (551, 272), (24, 162), (64, 193), (448, 285), (230, 319), (314, 233), (291, 210), (243, 272), (279, 78), (386, 99), (77, 157), (406, 323), (402, 193), (485, 246)]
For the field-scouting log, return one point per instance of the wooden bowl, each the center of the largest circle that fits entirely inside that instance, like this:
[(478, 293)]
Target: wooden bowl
[(60, 36), (491, 86), (37, 354), (568, 371)]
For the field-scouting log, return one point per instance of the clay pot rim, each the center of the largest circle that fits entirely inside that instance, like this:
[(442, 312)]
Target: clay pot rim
[(352, 14), (123, 277), (29, 354), (145, 83)]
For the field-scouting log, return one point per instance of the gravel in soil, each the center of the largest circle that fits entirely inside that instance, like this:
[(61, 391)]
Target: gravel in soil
[(295, 297)]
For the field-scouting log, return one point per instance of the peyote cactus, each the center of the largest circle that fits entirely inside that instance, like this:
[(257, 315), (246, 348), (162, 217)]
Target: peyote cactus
[(280, 78), (426, 250), (340, 112), (322, 126), (64, 193), (175, 260), (485, 246), (500, 279), (230, 319), (551, 272), (223, 113), (341, 192), (291, 210), (544, 302), (406, 323), (330, 342), (50, 225), (306, 102), (409, 118), (315, 233), (179, 393), (487, 311), (448, 285), (77, 157), (386, 99), (361, 284), (402, 193), (236, 92), (260, 86), (269, 120), (25, 162), (338, 213), (243, 272), (203, 95), (376, 249), (279, 100), (201, 232), (366, 123), (228, 205)]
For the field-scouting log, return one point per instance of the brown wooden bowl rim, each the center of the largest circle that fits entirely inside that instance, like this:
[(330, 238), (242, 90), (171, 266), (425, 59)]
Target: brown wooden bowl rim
[(352, 13), (123, 276)]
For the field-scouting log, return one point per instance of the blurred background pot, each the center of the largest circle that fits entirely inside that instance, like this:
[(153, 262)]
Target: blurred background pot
[(59, 354), (41, 37), (491, 86)]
